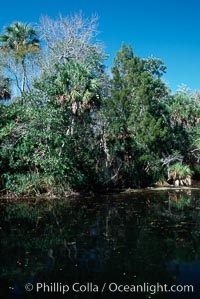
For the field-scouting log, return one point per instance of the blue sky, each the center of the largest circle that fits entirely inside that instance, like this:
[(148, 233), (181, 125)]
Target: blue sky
[(169, 30)]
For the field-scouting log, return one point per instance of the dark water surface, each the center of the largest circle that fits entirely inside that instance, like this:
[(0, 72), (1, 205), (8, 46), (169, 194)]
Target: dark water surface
[(79, 247)]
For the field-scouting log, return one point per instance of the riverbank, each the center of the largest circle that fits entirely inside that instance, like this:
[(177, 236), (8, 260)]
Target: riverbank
[(74, 195)]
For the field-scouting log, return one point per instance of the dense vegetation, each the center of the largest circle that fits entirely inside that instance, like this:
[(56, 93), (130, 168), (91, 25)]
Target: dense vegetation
[(66, 126)]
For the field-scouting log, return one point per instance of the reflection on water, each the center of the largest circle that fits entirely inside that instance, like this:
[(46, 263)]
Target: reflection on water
[(128, 239)]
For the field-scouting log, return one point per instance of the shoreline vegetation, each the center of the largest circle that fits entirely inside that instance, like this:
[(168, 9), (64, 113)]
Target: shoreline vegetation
[(69, 128), (11, 197)]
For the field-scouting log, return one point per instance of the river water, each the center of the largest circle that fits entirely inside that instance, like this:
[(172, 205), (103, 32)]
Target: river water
[(137, 245)]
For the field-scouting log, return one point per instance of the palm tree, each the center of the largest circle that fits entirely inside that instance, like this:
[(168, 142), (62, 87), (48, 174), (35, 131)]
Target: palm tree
[(78, 86), (80, 89), (18, 41)]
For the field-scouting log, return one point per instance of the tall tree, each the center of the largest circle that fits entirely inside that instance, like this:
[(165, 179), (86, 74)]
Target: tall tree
[(71, 38), (136, 126), (18, 41)]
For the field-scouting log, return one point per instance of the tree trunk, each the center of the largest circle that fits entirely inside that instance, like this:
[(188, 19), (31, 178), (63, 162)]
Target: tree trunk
[(23, 76)]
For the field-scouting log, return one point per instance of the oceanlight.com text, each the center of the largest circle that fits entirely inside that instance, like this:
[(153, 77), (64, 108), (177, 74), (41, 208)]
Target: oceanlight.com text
[(112, 287)]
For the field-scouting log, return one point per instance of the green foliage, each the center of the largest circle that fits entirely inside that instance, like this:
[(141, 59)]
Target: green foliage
[(48, 145), (75, 129), (137, 123), (181, 170), (196, 142), (19, 41), (5, 92)]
